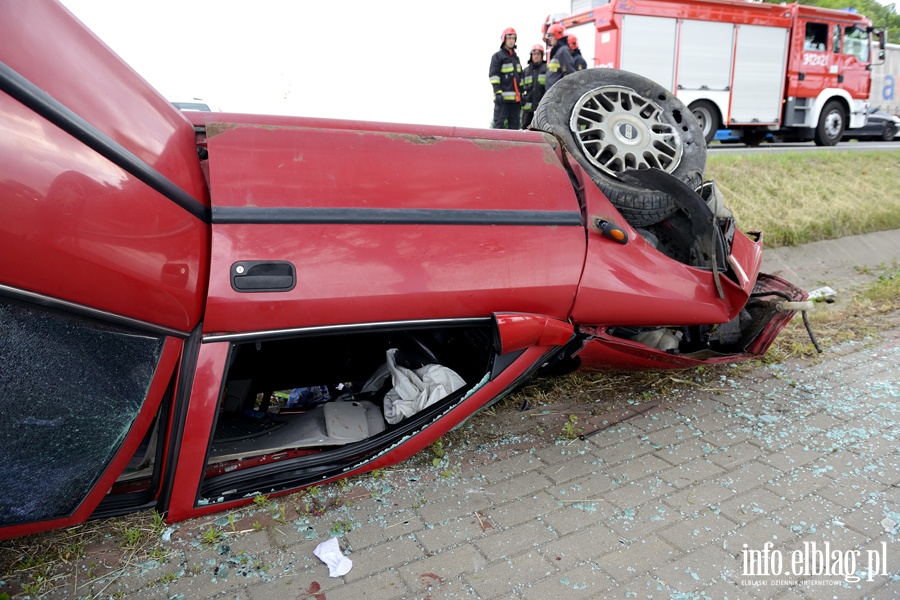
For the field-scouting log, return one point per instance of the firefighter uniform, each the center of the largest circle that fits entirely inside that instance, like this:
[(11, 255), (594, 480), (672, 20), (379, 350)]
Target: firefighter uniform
[(506, 79), (534, 82), (577, 58), (561, 63)]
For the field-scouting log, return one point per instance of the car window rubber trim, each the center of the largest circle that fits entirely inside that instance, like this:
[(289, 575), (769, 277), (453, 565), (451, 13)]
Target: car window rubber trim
[(24, 296), (345, 328), (178, 416)]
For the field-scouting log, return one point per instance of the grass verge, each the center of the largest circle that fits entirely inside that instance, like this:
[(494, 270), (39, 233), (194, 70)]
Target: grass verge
[(800, 197)]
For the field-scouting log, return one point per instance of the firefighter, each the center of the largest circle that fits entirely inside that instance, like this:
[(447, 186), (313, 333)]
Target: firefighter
[(577, 58), (534, 83), (506, 79), (560, 63)]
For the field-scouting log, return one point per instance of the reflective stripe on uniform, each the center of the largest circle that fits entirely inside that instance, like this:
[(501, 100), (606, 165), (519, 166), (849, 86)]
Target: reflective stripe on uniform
[(553, 65), (527, 80), (495, 80), (506, 68), (542, 79), (509, 96), (526, 106)]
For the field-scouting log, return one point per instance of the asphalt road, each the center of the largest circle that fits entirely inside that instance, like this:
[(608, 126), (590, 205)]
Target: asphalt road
[(893, 145)]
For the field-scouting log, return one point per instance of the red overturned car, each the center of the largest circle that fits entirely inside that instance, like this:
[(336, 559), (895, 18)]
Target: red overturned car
[(196, 308)]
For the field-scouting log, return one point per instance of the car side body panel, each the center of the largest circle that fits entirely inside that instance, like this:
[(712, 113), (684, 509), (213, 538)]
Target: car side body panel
[(607, 352), (189, 458), (634, 284), (388, 225)]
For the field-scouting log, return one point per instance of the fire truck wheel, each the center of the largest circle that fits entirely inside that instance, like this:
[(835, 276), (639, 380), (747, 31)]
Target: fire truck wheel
[(707, 116), (612, 121), (831, 124)]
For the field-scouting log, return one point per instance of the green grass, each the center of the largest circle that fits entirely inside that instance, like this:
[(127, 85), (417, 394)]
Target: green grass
[(800, 197), (884, 292)]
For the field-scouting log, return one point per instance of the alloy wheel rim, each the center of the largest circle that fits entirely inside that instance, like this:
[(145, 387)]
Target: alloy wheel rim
[(617, 129), (833, 124)]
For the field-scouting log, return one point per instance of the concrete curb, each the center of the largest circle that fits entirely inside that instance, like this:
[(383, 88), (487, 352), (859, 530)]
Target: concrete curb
[(842, 264)]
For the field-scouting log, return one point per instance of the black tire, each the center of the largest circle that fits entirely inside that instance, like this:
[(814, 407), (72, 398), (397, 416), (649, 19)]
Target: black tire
[(595, 111), (832, 123), (707, 116), (889, 132)]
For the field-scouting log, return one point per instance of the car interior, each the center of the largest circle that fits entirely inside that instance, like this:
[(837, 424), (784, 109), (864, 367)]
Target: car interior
[(321, 402), (320, 399)]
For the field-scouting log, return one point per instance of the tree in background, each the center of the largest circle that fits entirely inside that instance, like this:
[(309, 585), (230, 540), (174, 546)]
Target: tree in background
[(882, 16)]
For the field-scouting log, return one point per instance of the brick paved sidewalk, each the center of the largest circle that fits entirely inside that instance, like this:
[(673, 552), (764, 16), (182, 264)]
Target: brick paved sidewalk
[(667, 504)]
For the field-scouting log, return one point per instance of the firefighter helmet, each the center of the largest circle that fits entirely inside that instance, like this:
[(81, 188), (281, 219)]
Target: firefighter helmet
[(557, 31), (573, 42), (506, 32), (537, 48)]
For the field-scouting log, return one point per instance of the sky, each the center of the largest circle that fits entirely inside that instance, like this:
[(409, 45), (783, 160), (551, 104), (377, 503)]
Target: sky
[(402, 61)]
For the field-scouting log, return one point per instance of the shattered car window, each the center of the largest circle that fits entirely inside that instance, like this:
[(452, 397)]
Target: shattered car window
[(69, 393)]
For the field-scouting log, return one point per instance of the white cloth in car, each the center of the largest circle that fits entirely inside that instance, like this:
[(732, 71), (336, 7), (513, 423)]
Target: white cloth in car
[(416, 389)]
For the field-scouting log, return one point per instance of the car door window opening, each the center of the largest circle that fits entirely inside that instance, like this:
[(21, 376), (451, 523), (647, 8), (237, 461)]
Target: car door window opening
[(312, 397)]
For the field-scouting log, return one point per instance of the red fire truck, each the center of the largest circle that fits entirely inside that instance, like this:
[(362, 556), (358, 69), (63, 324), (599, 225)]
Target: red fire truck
[(800, 71)]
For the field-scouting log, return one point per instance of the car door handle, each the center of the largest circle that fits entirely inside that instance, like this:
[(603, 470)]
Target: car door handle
[(263, 276)]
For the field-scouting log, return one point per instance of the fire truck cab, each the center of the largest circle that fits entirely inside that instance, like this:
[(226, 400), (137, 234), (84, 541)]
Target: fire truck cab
[(800, 71)]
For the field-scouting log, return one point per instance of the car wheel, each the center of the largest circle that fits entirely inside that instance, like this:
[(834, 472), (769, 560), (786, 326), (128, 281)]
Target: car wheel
[(613, 121), (889, 132), (831, 124), (708, 117)]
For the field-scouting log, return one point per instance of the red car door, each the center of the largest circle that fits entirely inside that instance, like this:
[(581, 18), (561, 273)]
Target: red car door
[(105, 236), (385, 223)]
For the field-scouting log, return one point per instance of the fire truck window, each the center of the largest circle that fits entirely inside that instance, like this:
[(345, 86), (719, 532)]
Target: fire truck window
[(816, 37), (836, 40), (856, 43)]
